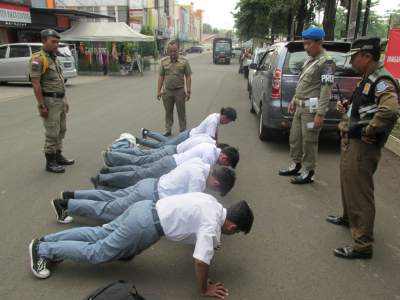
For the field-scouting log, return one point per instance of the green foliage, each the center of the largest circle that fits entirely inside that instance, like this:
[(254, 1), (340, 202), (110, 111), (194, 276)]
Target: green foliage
[(207, 29), (147, 48)]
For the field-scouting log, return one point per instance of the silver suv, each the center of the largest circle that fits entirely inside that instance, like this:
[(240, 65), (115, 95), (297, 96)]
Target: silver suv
[(14, 61)]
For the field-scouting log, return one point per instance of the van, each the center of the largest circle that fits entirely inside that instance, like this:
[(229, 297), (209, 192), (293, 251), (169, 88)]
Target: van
[(15, 58)]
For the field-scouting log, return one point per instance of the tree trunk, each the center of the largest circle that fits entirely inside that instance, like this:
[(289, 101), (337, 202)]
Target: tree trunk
[(301, 15), (329, 19), (289, 25), (366, 18)]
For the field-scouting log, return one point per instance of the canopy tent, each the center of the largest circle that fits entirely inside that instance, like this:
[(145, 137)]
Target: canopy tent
[(103, 32)]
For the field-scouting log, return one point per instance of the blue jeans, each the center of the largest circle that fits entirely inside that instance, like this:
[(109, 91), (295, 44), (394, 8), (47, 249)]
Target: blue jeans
[(122, 159), (128, 178), (126, 236), (159, 140), (124, 146), (109, 205)]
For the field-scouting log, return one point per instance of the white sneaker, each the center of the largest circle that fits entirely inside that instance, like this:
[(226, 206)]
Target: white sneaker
[(39, 265), (129, 137)]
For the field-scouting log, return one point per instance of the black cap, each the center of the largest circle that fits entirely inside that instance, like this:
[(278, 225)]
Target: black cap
[(371, 45), (49, 33)]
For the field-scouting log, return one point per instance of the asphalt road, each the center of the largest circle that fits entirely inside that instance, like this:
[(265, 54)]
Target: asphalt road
[(288, 255)]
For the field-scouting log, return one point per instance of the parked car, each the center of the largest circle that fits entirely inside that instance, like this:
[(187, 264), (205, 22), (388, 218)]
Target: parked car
[(236, 51), (276, 78), (14, 61), (195, 49), (255, 59)]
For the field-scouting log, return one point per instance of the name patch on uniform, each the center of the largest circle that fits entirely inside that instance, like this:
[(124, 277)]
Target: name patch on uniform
[(328, 73), (381, 87), (366, 88)]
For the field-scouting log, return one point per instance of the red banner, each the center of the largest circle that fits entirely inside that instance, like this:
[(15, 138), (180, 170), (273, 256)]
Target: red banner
[(392, 58)]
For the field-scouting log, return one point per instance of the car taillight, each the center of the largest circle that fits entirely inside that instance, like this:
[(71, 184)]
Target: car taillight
[(276, 84)]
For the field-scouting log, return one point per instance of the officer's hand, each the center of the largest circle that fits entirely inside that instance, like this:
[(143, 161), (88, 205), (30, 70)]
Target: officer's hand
[(43, 111), (341, 106), (159, 95), (216, 290), (291, 107), (188, 94), (318, 121)]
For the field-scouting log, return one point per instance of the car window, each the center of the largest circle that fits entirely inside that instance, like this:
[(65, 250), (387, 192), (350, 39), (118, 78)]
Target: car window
[(267, 61), (35, 48), (19, 51), (64, 50), (222, 47), (294, 62), (3, 51)]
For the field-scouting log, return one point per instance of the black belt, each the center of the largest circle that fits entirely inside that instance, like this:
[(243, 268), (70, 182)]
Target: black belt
[(156, 195), (156, 220), (175, 89), (54, 95)]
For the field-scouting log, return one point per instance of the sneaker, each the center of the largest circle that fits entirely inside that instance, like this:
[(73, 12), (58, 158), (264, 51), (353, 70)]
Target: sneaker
[(144, 132), (105, 159), (104, 170), (129, 137), (66, 195), (39, 265), (167, 133), (95, 181), (61, 212)]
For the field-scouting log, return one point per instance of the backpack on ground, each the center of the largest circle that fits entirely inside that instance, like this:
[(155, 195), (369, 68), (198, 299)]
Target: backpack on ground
[(119, 290)]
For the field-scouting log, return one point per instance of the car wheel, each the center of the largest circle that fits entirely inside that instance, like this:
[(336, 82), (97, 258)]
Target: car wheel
[(252, 110), (263, 132)]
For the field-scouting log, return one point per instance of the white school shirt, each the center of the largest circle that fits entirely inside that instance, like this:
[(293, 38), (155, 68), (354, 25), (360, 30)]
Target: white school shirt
[(194, 218), (190, 176), (208, 126), (194, 141), (208, 153)]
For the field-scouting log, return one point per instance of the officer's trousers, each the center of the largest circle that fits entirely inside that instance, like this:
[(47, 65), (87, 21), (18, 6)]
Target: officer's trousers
[(170, 99), (120, 159), (304, 140), (108, 206), (358, 163), (137, 173), (128, 235), (55, 124), (157, 140)]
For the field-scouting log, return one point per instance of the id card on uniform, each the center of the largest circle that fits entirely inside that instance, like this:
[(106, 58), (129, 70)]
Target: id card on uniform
[(313, 104), (310, 125)]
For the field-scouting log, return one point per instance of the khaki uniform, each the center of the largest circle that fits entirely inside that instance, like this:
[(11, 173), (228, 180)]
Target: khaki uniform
[(51, 81), (174, 88), (359, 160), (315, 82)]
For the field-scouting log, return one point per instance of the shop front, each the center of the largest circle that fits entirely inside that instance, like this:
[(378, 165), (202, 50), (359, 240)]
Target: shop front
[(13, 19)]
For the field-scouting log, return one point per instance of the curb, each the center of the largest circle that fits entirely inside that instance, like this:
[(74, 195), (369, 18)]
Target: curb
[(393, 144)]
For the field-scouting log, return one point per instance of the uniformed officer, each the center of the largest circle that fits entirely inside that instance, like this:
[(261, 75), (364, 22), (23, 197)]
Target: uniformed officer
[(174, 72), (372, 113), (309, 104), (49, 89)]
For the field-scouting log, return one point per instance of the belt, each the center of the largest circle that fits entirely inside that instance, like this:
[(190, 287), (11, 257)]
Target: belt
[(54, 95), (156, 195), (175, 89), (156, 220), (302, 103)]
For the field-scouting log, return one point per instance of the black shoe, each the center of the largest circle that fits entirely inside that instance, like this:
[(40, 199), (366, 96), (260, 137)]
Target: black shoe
[(52, 164), (144, 132), (105, 170), (66, 195), (95, 181), (167, 133), (39, 265), (304, 178), (62, 160), (336, 220), (293, 169), (182, 130), (105, 158), (349, 253), (60, 208)]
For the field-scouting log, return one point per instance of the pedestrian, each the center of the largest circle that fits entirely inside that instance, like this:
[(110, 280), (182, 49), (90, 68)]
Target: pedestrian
[(372, 113), (246, 62), (194, 218), (121, 150), (48, 85), (208, 126), (175, 73), (129, 175), (309, 104), (192, 176)]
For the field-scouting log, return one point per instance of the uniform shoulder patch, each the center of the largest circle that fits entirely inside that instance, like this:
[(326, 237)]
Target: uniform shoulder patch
[(381, 86)]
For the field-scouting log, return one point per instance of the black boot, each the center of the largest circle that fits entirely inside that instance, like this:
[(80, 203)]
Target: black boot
[(52, 165), (293, 169), (304, 178), (61, 160)]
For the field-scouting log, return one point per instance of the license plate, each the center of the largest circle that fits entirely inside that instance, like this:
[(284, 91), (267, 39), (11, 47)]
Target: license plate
[(67, 65)]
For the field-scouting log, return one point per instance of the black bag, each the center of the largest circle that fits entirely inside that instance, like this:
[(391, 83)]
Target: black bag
[(119, 290)]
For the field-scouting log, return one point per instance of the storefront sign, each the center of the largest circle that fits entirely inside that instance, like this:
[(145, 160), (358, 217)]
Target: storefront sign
[(14, 15), (136, 19), (392, 57)]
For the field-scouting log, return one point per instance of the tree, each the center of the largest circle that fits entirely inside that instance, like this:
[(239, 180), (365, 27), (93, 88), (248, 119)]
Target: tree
[(329, 19), (207, 29)]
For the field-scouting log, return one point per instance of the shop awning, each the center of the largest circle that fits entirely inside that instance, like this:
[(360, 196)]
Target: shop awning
[(103, 32)]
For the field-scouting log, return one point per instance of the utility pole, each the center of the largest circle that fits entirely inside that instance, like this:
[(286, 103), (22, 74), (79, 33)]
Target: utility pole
[(366, 17), (351, 32)]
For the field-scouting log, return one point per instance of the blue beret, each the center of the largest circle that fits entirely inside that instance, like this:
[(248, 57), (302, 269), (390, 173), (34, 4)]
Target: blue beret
[(316, 34)]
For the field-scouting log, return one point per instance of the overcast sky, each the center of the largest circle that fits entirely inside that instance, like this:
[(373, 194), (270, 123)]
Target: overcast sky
[(218, 12)]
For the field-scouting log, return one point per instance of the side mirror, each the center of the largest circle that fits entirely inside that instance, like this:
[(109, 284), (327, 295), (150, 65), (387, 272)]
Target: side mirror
[(253, 66)]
